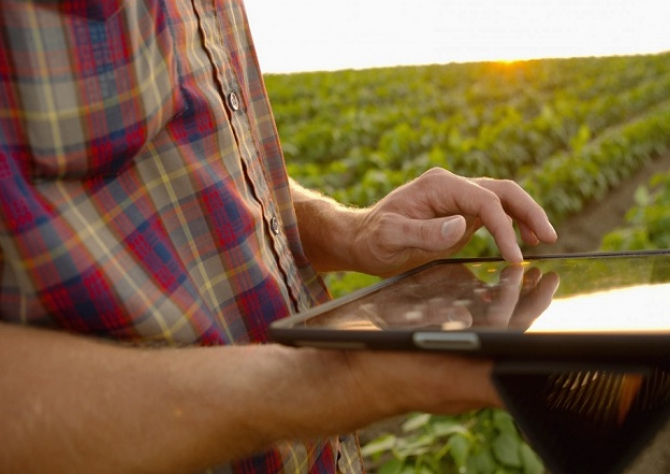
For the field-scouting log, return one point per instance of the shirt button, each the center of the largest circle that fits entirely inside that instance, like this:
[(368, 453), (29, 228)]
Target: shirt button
[(274, 225), (233, 102)]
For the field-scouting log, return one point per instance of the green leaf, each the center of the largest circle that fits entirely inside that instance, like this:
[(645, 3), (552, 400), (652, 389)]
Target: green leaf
[(642, 196), (447, 428), (506, 449), (414, 446), (459, 447), (481, 463), (531, 462), (380, 445), (416, 421), (423, 469), (394, 466), (504, 422), (409, 469)]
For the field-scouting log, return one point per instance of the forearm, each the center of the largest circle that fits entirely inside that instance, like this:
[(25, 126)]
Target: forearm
[(75, 405)]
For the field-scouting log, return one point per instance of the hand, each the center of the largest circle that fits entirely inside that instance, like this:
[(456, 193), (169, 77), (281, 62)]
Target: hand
[(393, 383), (435, 215)]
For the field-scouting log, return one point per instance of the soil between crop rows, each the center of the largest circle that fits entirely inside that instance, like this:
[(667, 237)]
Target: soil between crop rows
[(584, 231)]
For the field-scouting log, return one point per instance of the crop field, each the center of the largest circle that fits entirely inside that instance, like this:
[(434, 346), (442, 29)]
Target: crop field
[(570, 131)]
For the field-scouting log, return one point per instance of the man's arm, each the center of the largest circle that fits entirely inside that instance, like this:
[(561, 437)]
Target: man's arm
[(431, 217), (69, 404)]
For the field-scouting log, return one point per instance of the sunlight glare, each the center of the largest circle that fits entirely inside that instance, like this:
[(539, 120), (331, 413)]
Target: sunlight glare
[(634, 309), (301, 35)]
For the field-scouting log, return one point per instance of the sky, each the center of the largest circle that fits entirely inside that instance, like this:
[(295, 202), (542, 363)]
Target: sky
[(310, 35)]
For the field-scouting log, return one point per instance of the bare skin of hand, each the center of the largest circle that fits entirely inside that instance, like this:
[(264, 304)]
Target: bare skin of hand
[(432, 217)]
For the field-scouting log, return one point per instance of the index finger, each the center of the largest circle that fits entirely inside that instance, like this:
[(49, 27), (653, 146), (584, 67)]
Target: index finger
[(521, 207)]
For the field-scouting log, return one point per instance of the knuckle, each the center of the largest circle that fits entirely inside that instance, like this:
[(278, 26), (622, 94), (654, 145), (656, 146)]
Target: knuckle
[(490, 198), (509, 183), (436, 173), (386, 221), (386, 229), (501, 185), (435, 170), (425, 233)]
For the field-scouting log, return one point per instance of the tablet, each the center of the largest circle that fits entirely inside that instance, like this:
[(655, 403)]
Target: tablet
[(608, 307)]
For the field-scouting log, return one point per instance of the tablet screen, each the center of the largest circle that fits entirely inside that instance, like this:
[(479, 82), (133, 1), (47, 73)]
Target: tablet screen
[(621, 293)]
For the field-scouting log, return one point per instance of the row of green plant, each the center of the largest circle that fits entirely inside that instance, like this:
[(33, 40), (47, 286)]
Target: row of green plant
[(349, 136), (442, 90), (647, 223), (564, 183)]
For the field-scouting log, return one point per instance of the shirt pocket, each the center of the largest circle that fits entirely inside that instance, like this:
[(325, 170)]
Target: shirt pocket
[(96, 84)]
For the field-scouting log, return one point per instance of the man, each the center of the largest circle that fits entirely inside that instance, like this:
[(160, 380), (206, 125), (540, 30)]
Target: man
[(144, 200)]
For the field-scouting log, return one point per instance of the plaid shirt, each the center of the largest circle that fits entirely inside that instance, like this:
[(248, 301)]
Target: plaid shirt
[(143, 193)]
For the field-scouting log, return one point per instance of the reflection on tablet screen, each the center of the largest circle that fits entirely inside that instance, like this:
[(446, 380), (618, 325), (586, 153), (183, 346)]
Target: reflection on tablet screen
[(606, 294)]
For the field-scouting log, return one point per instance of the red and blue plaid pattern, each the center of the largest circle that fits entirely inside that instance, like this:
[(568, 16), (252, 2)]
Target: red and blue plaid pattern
[(136, 203)]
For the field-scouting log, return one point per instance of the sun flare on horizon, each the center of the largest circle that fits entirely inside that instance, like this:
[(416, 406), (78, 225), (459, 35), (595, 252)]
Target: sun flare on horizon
[(302, 35)]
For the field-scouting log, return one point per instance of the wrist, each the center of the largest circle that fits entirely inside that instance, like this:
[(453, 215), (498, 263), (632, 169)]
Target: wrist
[(330, 394), (395, 383), (328, 231)]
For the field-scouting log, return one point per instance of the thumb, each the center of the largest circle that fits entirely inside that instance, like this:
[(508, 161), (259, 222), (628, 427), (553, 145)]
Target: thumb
[(432, 235)]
